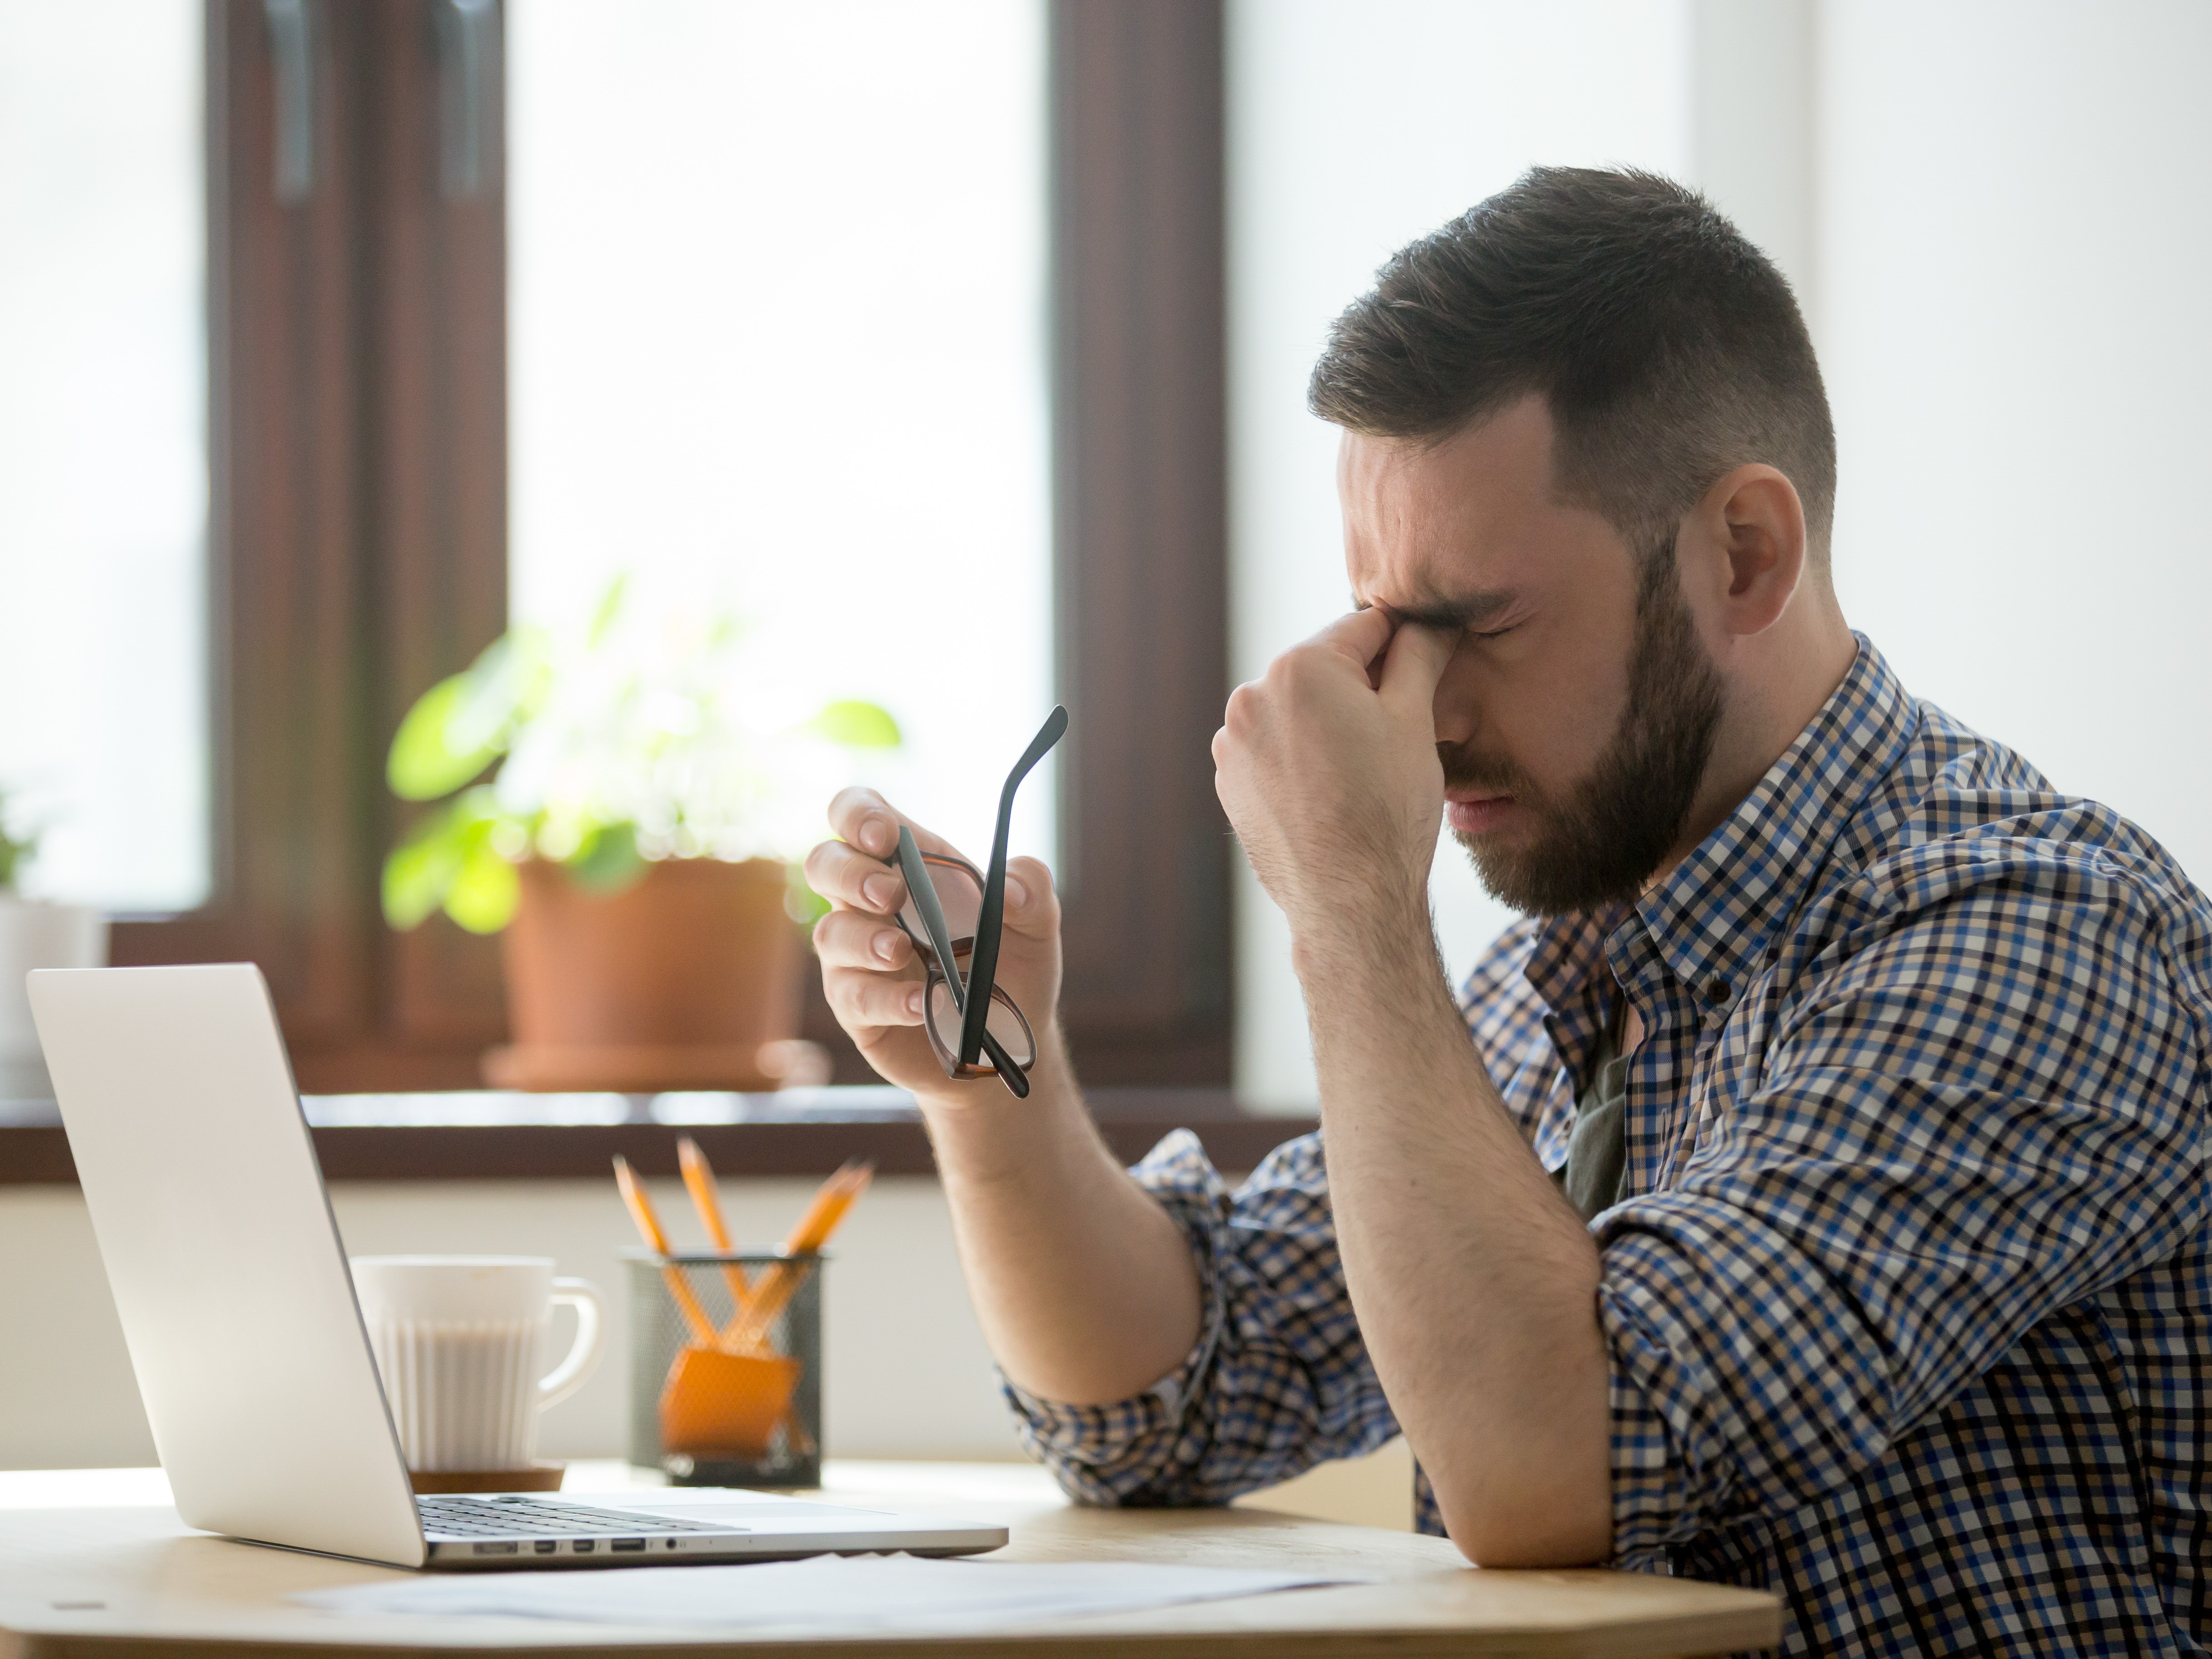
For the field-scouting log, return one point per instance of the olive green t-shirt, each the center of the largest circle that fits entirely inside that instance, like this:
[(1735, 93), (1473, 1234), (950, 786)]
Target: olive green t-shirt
[(1597, 1147)]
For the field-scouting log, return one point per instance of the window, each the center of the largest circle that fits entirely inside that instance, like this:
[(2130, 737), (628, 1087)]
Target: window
[(779, 345), (105, 740), (1035, 382)]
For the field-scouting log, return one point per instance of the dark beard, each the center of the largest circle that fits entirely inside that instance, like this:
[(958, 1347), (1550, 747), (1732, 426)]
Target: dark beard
[(1623, 819)]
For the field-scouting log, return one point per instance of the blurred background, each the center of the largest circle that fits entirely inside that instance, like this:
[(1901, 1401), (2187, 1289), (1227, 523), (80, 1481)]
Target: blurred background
[(958, 348)]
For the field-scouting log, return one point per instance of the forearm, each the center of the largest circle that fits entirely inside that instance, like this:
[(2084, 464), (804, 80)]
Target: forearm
[(1475, 1282), (1084, 1286)]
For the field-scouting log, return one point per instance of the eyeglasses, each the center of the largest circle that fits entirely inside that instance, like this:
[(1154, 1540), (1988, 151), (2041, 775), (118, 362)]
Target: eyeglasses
[(954, 916)]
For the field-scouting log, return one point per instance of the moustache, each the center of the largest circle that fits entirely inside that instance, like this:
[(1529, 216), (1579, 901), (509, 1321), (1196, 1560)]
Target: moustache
[(1464, 769)]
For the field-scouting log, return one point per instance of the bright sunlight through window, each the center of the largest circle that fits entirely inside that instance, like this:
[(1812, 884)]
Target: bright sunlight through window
[(778, 342)]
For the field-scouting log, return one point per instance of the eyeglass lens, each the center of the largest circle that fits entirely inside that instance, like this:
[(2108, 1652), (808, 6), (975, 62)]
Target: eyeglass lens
[(959, 895), (1003, 1024)]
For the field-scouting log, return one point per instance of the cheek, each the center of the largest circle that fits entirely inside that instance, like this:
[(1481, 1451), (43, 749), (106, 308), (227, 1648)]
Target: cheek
[(1547, 711)]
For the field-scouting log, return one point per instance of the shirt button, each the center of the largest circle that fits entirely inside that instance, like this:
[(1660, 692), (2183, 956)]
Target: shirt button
[(1718, 991)]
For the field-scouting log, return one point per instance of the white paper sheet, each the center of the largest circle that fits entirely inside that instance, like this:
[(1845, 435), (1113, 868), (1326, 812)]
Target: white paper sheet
[(822, 1594)]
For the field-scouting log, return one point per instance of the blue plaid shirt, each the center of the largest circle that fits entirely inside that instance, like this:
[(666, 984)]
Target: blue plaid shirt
[(1908, 1295)]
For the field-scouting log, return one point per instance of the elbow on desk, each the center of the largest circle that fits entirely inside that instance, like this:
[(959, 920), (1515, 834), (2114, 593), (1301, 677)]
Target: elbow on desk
[(1549, 1529)]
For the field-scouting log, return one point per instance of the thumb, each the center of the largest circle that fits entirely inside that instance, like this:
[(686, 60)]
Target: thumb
[(1032, 905), (1416, 661)]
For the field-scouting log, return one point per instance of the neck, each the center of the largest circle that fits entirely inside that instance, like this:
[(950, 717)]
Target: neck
[(1777, 681)]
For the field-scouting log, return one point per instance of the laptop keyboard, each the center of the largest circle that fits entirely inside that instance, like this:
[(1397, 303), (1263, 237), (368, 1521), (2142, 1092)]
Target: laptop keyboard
[(522, 1517)]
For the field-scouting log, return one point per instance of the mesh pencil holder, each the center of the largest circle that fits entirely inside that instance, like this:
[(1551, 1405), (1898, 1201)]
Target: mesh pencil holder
[(745, 1408)]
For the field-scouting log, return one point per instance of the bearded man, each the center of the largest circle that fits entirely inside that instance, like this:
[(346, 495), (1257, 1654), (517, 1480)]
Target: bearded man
[(1819, 1203)]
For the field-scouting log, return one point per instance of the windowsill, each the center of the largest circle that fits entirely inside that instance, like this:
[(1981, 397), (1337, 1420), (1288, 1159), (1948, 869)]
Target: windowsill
[(485, 1135)]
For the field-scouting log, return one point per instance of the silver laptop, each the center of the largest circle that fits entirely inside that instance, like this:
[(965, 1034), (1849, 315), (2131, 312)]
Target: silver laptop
[(236, 1301)]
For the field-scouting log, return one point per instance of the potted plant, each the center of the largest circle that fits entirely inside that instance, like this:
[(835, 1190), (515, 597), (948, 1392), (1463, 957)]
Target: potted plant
[(34, 934), (618, 804)]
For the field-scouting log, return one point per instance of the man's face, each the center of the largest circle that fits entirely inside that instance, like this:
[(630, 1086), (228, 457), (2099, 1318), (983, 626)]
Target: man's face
[(1578, 709)]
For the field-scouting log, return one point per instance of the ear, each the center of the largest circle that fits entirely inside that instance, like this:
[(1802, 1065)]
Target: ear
[(1751, 527)]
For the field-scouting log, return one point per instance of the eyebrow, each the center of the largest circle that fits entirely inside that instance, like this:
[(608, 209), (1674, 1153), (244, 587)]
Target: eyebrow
[(1464, 610)]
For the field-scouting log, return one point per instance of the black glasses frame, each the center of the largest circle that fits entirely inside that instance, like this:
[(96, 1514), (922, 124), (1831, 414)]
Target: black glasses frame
[(976, 989)]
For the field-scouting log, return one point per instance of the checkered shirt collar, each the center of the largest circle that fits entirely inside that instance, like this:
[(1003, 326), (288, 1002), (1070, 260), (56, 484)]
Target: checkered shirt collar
[(1715, 916)]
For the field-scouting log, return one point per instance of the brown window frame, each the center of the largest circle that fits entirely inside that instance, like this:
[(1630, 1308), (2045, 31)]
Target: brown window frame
[(358, 532)]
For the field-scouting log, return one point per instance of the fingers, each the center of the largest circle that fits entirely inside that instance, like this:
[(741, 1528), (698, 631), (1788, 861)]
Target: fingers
[(865, 819), (844, 875), (862, 1001), (1360, 635), (870, 973), (858, 939), (1032, 905), (1416, 661)]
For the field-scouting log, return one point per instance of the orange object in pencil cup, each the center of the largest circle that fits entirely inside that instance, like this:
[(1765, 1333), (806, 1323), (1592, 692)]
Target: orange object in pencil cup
[(747, 1410)]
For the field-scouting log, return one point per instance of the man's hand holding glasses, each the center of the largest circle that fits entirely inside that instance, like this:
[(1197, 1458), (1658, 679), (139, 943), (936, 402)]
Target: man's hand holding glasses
[(947, 976)]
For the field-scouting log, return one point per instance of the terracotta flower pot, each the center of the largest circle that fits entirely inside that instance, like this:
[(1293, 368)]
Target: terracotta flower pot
[(679, 982)]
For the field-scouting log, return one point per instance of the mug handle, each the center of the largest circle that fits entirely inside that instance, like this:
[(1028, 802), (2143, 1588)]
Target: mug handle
[(571, 1373)]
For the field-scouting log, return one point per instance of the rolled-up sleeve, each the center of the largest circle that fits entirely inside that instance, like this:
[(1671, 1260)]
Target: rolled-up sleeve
[(1279, 1379), (1911, 1187)]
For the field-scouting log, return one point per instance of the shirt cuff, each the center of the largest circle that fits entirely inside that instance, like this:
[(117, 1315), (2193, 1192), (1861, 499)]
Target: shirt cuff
[(1112, 1454)]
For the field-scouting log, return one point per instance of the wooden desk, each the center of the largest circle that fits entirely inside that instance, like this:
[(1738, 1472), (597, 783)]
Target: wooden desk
[(111, 1575)]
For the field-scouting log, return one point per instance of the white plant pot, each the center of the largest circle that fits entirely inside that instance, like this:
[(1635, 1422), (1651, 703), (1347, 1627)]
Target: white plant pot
[(36, 935)]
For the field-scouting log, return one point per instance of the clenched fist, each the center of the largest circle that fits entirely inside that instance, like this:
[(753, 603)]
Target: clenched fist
[(1327, 766)]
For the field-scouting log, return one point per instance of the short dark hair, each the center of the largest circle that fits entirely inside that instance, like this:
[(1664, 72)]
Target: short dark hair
[(1669, 349)]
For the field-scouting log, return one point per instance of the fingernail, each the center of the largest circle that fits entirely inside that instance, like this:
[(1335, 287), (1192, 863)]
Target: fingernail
[(1018, 891), (878, 836), (887, 942), (881, 892), (913, 1001)]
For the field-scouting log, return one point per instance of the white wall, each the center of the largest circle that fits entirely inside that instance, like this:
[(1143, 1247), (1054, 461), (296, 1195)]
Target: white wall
[(2014, 231), (1352, 129), (905, 1371), (1995, 218), (1754, 76)]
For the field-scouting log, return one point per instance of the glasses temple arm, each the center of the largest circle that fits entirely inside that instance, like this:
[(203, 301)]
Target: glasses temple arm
[(983, 964), (1017, 1082), (923, 892)]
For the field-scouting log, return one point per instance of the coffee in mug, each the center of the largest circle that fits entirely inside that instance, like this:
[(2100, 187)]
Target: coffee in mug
[(457, 1339)]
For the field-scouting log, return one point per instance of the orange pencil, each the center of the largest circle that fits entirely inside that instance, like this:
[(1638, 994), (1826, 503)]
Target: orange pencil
[(836, 1195), (699, 1180), (648, 1225)]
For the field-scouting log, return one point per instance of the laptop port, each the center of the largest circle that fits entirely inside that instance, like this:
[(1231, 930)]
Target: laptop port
[(622, 1544), (585, 1546), (545, 1546), (509, 1549)]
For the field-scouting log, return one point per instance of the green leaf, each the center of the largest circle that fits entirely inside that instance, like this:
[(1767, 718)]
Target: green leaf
[(484, 890), (609, 860), (420, 873), (465, 721), (855, 725), (428, 757), (421, 870), (609, 607), (416, 879), (505, 684)]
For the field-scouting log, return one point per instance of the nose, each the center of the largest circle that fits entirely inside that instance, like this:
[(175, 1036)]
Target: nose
[(1457, 715)]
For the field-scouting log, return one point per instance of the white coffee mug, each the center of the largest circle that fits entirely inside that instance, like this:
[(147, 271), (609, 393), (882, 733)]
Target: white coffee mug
[(457, 1341)]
